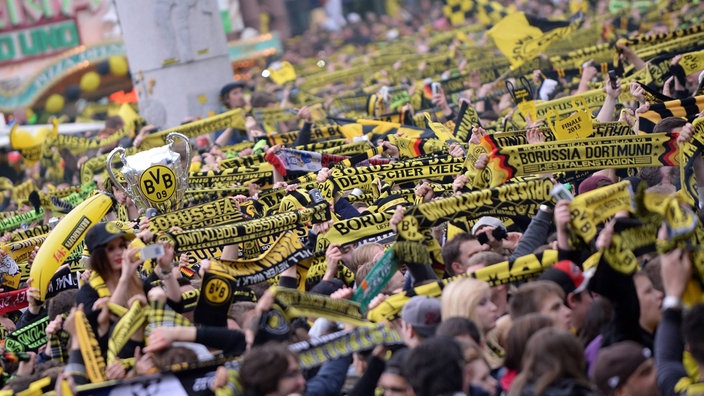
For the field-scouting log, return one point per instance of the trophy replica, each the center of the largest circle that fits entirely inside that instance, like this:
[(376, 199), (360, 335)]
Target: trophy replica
[(155, 177)]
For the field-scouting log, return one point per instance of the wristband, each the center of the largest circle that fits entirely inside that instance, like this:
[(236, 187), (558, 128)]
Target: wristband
[(161, 274), (671, 302)]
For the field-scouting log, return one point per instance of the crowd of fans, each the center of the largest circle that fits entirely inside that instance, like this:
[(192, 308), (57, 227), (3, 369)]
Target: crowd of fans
[(560, 334)]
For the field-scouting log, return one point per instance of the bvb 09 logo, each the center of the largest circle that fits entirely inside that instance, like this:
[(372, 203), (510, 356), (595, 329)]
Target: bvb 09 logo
[(158, 183), (217, 291)]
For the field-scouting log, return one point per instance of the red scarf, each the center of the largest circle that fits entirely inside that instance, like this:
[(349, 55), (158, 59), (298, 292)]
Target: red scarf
[(507, 379), (13, 301)]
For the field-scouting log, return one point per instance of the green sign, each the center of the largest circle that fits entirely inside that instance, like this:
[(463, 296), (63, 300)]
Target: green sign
[(264, 45), (376, 279), (22, 44), (63, 37)]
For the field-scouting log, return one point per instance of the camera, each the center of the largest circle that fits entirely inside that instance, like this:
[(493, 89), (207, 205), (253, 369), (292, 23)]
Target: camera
[(613, 78), (498, 233)]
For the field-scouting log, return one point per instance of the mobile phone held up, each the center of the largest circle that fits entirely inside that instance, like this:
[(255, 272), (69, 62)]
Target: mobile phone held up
[(431, 88), (435, 88), (151, 252), (561, 192)]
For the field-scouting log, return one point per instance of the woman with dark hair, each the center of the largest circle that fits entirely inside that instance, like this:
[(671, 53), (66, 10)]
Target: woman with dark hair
[(271, 369), (114, 275), (518, 335), (553, 365), (477, 373), (435, 367)]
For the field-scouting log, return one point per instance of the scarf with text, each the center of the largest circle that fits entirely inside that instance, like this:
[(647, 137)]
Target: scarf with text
[(621, 152), (293, 303), (245, 231), (317, 351), (285, 252), (522, 268)]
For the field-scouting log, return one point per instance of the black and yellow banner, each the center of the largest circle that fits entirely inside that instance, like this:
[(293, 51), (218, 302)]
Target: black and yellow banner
[(589, 209), (349, 178), (245, 231), (231, 119), (655, 149), (509, 200), (229, 176), (687, 108), (294, 303), (90, 349), (286, 251), (367, 227), (216, 295), (486, 11), (123, 330), (221, 211), (522, 268), (315, 352)]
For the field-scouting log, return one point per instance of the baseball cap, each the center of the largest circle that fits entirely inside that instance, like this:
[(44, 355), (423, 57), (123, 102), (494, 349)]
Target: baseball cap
[(273, 326), (487, 221), (423, 313), (327, 287), (395, 364), (102, 233), (615, 363), (230, 86), (593, 182), (568, 275)]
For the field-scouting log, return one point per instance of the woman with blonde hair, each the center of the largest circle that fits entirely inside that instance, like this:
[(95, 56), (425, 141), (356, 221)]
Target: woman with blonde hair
[(366, 253), (470, 298)]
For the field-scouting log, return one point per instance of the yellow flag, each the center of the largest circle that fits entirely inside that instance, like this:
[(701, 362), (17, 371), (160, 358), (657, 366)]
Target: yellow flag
[(522, 37), (129, 117), (282, 72)]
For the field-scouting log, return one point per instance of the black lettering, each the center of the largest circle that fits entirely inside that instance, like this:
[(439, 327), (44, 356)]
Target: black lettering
[(149, 186)]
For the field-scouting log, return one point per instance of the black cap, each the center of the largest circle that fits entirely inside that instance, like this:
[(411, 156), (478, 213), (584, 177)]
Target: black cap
[(230, 86), (102, 233), (327, 287), (273, 326)]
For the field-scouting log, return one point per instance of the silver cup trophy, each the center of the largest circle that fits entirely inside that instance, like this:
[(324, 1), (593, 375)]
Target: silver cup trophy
[(155, 178)]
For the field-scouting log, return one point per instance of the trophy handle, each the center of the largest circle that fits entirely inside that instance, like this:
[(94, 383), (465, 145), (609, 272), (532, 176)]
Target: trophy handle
[(109, 167), (170, 139)]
